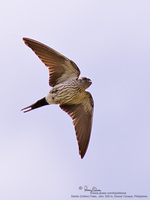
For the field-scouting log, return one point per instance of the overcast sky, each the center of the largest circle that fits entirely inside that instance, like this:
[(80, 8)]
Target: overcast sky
[(109, 40)]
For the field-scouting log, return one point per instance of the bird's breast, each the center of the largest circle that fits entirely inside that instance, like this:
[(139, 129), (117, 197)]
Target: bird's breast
[(64, 93)]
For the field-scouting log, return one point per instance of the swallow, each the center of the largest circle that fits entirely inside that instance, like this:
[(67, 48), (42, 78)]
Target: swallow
[(68, 90)]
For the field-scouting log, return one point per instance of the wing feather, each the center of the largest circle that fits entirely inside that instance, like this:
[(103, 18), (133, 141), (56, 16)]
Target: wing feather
[(60, 67), (82, 115)]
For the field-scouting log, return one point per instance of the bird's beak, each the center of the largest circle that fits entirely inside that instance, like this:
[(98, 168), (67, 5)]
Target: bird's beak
[(89, 80)]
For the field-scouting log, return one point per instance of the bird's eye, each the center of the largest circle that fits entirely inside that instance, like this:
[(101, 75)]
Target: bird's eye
[(85, 79)]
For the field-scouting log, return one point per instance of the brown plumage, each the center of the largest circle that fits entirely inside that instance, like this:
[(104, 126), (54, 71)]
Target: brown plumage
[(68, 91)]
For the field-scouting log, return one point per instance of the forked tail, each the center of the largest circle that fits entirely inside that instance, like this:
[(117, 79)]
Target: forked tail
[(39, 103)]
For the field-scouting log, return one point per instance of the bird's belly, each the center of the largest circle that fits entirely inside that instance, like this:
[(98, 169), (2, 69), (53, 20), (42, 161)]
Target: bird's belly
[(63, 95)]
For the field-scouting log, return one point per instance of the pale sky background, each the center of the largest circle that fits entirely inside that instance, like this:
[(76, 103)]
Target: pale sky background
[(109, 40)]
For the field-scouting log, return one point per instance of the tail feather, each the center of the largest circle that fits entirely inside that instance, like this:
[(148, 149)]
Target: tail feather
[(39, 103)]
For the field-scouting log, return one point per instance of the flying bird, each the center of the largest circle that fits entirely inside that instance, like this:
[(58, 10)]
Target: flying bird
[(68, 90)]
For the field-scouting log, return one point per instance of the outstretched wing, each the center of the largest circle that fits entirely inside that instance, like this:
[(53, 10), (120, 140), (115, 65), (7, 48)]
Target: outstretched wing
[(82, 115), (60, 67)]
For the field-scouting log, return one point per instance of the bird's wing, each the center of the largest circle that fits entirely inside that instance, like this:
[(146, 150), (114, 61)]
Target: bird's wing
[(60, 67), (82, 115)]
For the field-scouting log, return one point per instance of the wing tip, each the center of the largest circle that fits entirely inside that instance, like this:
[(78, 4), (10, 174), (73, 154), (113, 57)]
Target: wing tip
[(82, 156), (82, 153), (25, 39)]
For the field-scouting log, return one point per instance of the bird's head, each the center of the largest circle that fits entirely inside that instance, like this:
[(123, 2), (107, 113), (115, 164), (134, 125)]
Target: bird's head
[(84, 82)]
